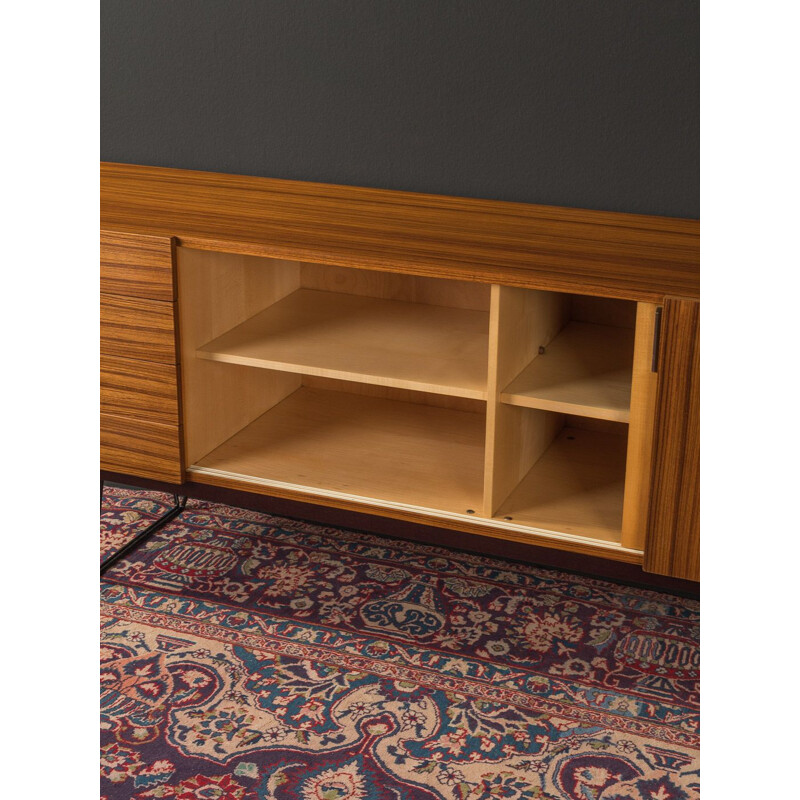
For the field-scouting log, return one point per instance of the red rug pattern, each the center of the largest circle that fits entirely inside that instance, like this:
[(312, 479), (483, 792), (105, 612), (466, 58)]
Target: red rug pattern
[(246, 656)]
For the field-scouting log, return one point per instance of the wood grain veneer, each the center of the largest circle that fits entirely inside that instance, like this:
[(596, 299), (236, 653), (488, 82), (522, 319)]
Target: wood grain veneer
[(137, 265), (142, 389), (673, 540), (131, 327), (139, 447), (607, 254)]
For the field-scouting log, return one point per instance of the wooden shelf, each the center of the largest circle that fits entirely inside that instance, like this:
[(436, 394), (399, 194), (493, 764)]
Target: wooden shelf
[(575, 487), (364, 339), (417, 455), (586, 371)]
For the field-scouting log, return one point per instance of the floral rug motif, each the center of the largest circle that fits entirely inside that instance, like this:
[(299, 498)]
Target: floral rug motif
[(246, 656)]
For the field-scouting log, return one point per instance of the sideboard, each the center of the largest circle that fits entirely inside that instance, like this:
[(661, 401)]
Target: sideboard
[(516, 371)]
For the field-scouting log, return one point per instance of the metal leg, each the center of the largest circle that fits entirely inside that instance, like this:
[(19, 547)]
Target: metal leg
[(153, 527)]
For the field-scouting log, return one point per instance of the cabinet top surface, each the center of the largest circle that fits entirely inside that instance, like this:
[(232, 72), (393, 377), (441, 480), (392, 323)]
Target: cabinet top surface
[(562, 249)]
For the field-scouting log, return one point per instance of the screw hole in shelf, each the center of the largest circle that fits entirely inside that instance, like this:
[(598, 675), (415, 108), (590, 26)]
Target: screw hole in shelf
[(470, 511)]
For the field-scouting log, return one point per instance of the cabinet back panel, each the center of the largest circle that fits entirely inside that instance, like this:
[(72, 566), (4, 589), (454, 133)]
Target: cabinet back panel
[(393, 393), (395, 286), (604, 311)]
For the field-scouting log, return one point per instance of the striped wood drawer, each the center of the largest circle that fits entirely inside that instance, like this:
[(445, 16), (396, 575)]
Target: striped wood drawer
[(137, 266), (131, 327), (140, 389), (140, 448)]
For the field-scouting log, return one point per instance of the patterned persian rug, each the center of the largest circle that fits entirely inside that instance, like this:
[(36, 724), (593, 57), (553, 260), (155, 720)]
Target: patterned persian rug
[(246, 657)]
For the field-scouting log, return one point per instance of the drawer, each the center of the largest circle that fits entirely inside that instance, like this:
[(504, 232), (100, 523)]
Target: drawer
[(137, 266), (131, 327), (139, 389), (140, 448)]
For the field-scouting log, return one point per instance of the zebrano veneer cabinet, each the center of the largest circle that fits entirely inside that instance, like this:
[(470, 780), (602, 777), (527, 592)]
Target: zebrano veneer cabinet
[(516, 371)]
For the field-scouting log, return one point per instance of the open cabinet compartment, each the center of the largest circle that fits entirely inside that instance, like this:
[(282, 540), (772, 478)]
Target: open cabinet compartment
[(569, 415), (335, 381), (515, 408), (576, 480), (368, 327), (360, 445)]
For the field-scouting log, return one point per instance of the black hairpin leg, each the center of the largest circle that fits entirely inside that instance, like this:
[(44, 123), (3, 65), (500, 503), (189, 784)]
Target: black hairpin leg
[(153, 527)]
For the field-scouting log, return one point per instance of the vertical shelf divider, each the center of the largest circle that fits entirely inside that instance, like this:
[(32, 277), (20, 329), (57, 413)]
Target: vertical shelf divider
[(520, 322)]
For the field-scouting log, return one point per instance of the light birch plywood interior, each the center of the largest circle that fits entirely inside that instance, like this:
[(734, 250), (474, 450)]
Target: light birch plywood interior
[(521, 321), (585, 367), (364, 339), (585, 370), (371, 447), (576, 486), (503, 403), (216, 292)]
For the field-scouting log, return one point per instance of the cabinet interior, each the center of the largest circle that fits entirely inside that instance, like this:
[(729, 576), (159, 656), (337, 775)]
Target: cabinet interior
[(519, 408)]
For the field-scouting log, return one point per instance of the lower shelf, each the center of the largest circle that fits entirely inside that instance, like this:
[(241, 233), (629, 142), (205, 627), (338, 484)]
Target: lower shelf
[(426, 459), (423, 456), (575, 487)]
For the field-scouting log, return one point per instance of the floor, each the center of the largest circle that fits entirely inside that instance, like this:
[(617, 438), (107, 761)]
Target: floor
[(250, 656)]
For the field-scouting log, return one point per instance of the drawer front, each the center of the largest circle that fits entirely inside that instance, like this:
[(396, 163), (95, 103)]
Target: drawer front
[(139, 448), (140, 329), (139, 389), (137, 266)]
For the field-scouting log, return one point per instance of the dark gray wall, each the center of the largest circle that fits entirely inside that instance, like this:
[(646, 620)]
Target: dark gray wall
[(587, 103)]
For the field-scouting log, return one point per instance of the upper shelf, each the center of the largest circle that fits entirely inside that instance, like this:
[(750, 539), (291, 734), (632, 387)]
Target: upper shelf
[(609, 254), (364, 339), (586, 370)]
